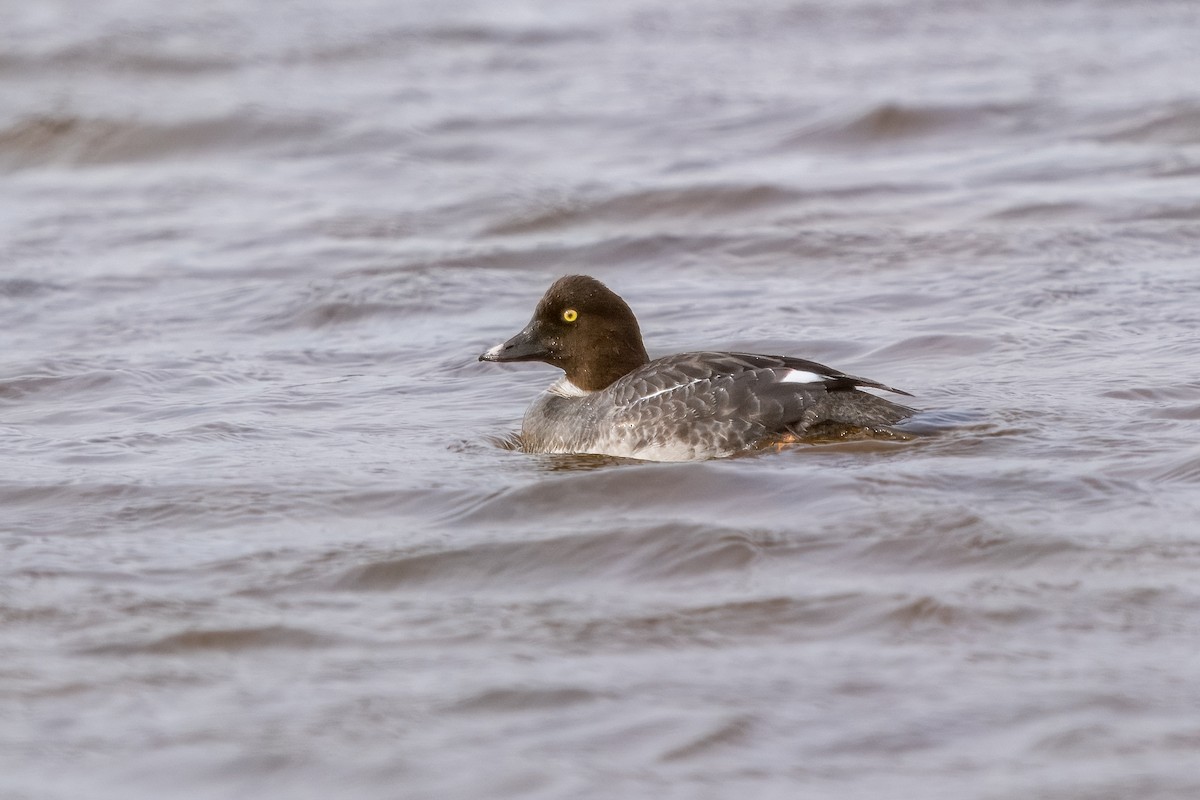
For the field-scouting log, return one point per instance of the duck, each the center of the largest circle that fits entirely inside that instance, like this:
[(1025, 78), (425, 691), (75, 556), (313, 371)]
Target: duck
[(614, 400)]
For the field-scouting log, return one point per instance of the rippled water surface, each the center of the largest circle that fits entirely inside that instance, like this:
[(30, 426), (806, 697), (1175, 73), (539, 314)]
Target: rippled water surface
[(261, 536)]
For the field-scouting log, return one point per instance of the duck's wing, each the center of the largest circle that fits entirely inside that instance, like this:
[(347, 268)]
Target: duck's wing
[(804, 370), (745, 395)]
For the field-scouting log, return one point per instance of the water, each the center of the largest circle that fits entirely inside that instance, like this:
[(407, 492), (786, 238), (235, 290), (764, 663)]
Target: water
[(261, 536)]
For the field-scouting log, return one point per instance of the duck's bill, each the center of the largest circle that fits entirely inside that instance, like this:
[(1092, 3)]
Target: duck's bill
[(525, 346)]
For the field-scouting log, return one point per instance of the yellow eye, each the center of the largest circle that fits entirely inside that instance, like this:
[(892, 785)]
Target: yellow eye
[(570, 315)]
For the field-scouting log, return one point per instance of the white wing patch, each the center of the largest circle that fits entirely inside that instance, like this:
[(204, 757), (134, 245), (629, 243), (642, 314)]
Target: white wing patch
[(800, 376)]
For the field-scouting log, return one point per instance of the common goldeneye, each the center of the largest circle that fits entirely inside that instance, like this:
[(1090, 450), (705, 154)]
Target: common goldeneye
[(615, 401)]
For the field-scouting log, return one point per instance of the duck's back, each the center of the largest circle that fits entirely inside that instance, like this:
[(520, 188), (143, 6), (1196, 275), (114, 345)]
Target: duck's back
[(704, 405)]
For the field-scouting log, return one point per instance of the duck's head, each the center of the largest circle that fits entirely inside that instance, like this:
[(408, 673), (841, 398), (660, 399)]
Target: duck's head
[(582, 327)]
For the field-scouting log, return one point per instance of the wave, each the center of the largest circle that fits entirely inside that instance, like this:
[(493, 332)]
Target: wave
[(73, 140), (705, 201), (1178, 126), (224, 639), (132, 52), (897, 122), (655, 552)]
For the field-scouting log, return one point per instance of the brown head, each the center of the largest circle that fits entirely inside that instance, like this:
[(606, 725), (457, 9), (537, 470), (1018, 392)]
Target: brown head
[(582, 327)]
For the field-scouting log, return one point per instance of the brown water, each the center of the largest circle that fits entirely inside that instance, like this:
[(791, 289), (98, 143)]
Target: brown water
[(259, 535)]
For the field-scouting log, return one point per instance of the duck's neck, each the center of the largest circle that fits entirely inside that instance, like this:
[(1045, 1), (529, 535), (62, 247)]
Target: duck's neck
[(612, 359)]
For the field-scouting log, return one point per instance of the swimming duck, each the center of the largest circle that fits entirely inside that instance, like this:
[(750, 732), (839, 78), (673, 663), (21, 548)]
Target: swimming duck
[(613, 400)]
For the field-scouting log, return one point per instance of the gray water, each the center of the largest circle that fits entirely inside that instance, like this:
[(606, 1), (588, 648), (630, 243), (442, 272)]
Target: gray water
[(261, 533)]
